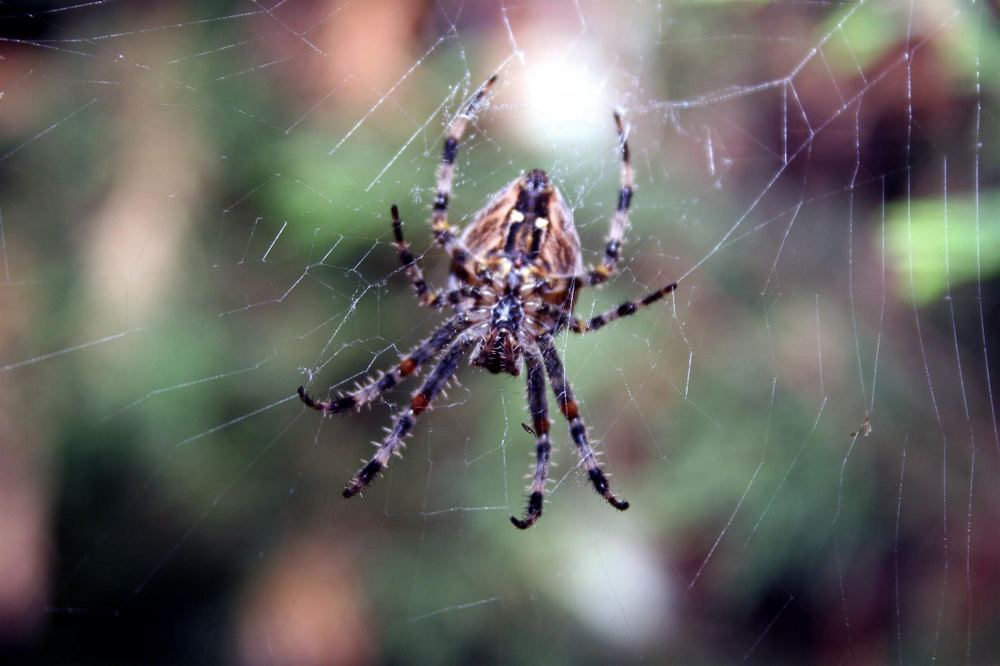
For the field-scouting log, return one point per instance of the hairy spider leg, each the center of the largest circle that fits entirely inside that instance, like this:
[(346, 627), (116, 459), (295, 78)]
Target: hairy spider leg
[(619, 224), (426, 295), (577, 429), (420, 401), (425, 351), (543, 449), (620, 218), (443, 234), (623, 310)]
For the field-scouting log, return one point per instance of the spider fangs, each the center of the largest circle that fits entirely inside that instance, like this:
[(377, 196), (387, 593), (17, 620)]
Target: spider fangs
[(515, 274)]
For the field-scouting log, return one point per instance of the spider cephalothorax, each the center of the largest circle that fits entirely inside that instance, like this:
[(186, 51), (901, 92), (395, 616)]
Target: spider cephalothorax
[(515, 273)]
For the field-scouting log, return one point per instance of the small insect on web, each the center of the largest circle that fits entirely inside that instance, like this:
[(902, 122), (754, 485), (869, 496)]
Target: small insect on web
[(515, 274)]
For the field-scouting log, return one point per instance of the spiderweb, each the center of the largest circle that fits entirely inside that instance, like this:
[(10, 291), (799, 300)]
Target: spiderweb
[(194, 222)]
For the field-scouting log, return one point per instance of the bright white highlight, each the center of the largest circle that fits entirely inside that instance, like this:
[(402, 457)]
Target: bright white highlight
[(567, 104), (617, 589)]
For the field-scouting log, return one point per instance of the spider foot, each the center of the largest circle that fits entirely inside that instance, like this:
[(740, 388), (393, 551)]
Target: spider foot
[(532, 515), (601, 485), (621, 505), (328, 406), (362, 478)]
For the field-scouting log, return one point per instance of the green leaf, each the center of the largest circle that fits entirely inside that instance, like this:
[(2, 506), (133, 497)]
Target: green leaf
[(941, 249)]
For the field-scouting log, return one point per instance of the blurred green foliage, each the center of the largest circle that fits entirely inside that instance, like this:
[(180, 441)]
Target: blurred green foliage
[(943, 244)]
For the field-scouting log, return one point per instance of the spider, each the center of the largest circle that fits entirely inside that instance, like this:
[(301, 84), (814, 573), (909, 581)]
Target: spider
[(515, 274)]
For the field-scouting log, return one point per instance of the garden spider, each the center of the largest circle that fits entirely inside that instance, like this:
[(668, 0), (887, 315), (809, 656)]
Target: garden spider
[(515, 273)]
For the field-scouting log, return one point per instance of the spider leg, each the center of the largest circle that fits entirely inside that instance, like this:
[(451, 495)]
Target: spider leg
[(426, 295), (619, 223), (420, 401), (620, 219), (623, 310), (540, 421), (577, 429), (443, 233), (376, 387)]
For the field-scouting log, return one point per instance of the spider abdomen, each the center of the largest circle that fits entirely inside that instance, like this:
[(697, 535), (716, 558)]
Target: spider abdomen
[(528, 220)]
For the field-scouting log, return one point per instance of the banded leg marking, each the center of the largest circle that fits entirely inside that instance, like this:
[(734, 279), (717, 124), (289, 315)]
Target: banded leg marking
[(543, 448), (376, 387), (577, 429), (620, 218), (439, 217), (625, 309), (426, 295), (420, 401)]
